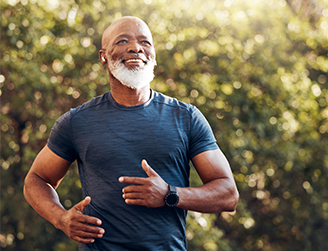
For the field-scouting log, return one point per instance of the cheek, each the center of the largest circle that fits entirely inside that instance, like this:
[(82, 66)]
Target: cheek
[(115, 54), (151, 54)]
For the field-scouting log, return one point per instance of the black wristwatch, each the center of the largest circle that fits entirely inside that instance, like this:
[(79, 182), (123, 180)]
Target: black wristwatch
[(171, 198)]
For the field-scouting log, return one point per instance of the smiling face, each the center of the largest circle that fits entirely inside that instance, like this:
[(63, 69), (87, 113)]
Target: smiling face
[(129, 52)]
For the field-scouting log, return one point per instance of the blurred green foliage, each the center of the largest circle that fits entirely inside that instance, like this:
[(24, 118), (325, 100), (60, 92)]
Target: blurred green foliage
[(257, 69)]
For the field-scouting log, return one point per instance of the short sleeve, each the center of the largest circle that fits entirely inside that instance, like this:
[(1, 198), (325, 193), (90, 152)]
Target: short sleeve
[(202, 137), (60, 141)]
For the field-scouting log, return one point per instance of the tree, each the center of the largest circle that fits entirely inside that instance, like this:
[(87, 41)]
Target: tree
[(256, 69)]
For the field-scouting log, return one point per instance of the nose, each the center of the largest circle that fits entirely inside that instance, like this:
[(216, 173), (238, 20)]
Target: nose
[(135, 47)]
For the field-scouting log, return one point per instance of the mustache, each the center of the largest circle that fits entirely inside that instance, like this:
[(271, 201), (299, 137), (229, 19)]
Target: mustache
[(137, 56)]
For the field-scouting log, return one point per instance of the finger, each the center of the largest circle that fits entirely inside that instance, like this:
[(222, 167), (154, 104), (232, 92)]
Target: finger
[(133, 189), (90, 220), (89, 236), (138, 202), (85, 233), (84, 230), (146, 167), (132, 180), (83, 240), (132, 195), (82, 204)]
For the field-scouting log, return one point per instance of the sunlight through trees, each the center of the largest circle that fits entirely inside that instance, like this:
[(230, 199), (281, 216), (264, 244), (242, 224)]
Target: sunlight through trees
[(257, 69)]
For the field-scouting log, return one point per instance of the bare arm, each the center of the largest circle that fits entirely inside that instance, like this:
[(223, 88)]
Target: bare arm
[(47, 171), (219, 192)]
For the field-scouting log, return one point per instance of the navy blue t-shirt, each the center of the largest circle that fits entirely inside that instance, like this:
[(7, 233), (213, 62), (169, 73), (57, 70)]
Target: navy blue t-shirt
[(109, 140)]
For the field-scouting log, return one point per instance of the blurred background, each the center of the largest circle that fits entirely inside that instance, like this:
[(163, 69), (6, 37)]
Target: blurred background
[(257, 69)]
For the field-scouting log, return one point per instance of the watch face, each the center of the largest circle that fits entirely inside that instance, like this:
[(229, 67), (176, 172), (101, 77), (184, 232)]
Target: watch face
[(171, 199)]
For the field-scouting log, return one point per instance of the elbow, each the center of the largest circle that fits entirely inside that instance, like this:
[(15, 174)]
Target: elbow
[(26, 188), (31, 183), (232, 201), (25, 193)]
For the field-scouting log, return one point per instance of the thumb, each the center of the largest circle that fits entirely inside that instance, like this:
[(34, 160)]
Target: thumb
[(82, 204), (150, 172)]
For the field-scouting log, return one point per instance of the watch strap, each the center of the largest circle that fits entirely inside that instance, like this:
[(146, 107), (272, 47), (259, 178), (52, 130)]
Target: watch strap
[(172, 188)]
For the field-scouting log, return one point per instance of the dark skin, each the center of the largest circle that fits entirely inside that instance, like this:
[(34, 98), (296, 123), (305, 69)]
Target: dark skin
[(216, 195), (121, 41), (41, 182)]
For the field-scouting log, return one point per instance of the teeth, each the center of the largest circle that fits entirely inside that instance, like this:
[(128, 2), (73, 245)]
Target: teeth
[(133, 60)]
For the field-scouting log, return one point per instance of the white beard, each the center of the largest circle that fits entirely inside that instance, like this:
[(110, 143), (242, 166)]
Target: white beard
[(135, 78)]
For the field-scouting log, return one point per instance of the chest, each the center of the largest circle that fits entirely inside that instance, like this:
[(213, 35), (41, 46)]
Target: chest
[(119, 141)]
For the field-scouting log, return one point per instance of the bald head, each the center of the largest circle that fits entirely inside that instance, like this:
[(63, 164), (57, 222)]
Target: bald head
[(115, 27)]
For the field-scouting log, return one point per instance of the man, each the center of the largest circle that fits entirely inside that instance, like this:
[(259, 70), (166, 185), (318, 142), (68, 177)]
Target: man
[(135, 143)]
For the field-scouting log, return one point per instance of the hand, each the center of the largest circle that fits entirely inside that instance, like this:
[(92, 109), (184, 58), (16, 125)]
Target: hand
[(149, 192), (75, 224)]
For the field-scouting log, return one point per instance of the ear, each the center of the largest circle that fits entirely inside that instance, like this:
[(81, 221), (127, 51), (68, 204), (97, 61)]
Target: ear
[(102, 56)]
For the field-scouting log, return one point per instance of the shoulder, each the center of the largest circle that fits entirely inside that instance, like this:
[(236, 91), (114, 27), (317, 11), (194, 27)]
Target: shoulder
[(92, 104), (174, 103)]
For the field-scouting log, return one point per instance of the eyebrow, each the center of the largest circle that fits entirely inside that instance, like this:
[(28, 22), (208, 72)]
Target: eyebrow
[(143, 36), (123, 35), (127, 35)]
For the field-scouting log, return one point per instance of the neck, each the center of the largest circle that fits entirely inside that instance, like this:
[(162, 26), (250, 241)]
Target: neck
[(126, 96)]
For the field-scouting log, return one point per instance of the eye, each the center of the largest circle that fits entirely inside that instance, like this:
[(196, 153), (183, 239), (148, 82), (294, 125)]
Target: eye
[(145, 42), (123, 41)]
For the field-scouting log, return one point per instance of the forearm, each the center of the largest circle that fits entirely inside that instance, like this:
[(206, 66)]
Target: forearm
[(43, 198), (215, 196)]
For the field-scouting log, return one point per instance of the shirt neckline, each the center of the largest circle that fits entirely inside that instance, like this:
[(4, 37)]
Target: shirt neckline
[(130, 108)]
